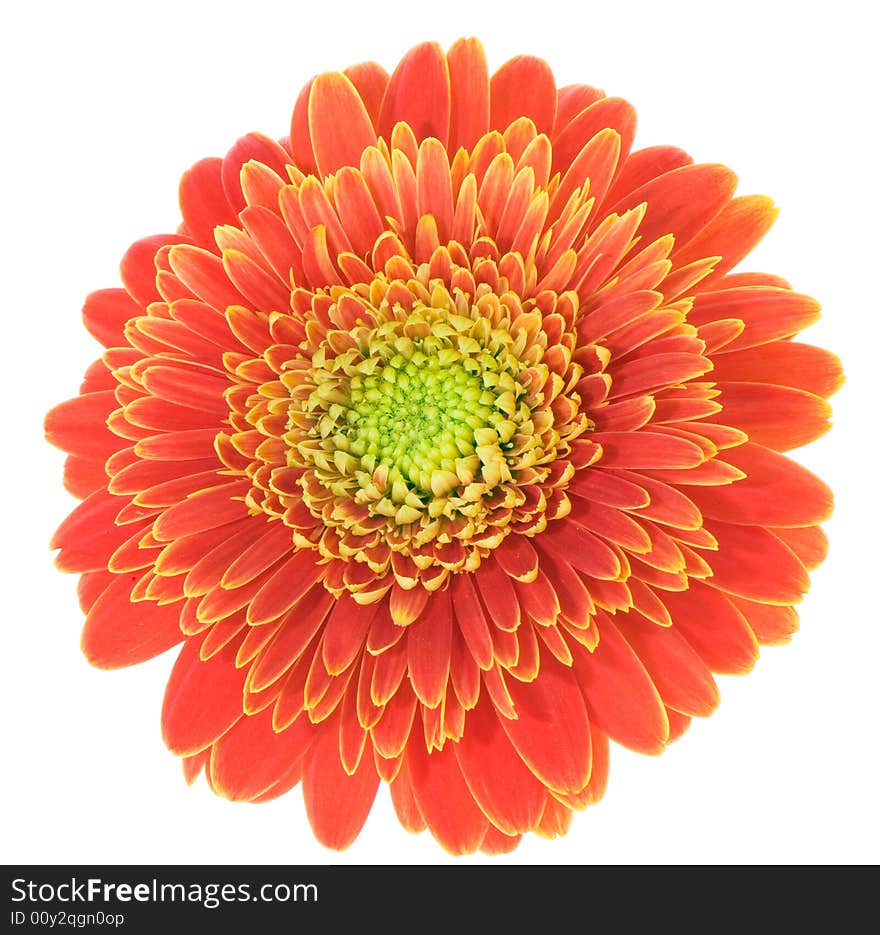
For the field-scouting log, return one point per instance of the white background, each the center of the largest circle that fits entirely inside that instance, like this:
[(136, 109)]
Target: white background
[(106, 104)]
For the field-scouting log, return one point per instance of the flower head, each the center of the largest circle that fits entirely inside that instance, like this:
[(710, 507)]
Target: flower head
[(444, 439)]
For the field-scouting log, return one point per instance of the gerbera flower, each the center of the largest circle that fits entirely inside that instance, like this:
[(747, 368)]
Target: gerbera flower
[(446, 442)]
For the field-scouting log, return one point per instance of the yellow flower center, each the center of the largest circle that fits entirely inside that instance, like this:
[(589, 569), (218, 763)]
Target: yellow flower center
[(418, 417), (414, 427)]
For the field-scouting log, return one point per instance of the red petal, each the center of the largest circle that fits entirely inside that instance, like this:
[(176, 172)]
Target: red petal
[(551, 731), (776, 491), (118, 633), (504, 788), (337, 804), (716, 630), (251, 757), (202, 699), (523, 87), (681, 202), (788, 363), (681, 677), (776, 416), (79, 426), (429, 649), (752, 563), (732, 234), (105, 313), (771, 625), (339, 124), (623, 701), (418, 94), (469, 94), (138, 267), (203, 201), (444, 800)]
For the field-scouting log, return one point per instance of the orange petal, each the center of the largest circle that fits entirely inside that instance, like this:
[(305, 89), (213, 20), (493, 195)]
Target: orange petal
[(344, 633), (118, 633), (571, 100), (393, 725), (681, 677), (809, 543), (202, 699), (644, 165), (502, 785), (403, 799), (429, 649), (434, 186), (551, 732), (472, 622), (498, 594), (337, 804), (83, 476), (787, 363), (138, 267), (254, 146), (768, 312), (778, 417), (206, 509), (771, 625), (523, 87), (418, 94), (731, 235), (203, 273), (370, 81), (606, 113), (573, 545), (681, 202), (88, 536), (105, 313), (203, 201), (646, 450), (752, 563), (251, 757), (79, 425), (469, 94), (285, 587), (776, 491), (444, 800), (622, 699), (339, 125)]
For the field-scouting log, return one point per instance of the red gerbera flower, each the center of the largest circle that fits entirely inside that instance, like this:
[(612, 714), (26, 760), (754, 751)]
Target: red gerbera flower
[(446, 442)]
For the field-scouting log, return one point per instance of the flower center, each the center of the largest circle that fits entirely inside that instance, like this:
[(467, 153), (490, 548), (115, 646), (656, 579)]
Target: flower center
[(426, 406), (411, 426)]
